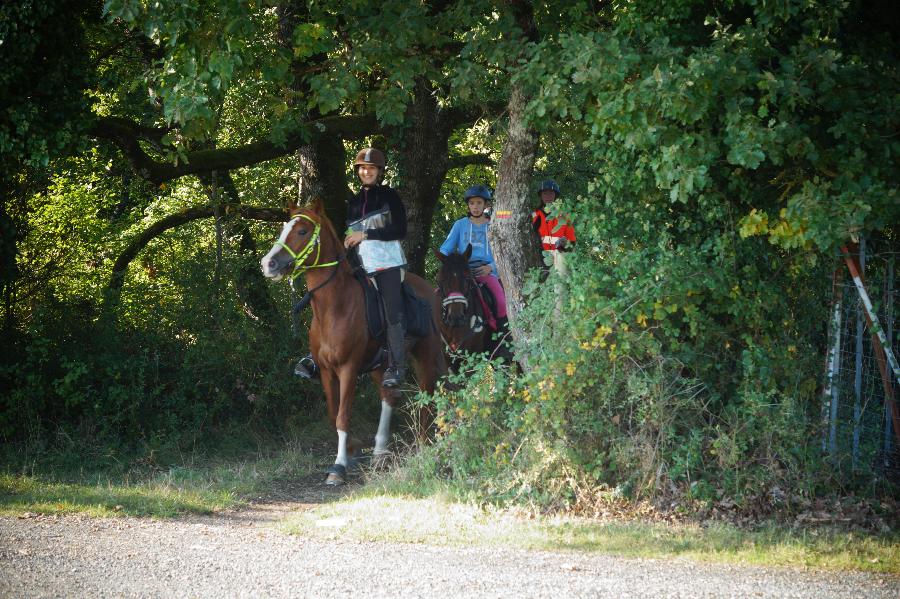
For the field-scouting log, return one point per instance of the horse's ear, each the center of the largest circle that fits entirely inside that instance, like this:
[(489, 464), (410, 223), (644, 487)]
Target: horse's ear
[(468, 253), (317, 206), (441, 257)]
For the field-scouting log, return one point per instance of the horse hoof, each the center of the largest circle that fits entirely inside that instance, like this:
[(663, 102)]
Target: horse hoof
[(336, 475), (382, 461)]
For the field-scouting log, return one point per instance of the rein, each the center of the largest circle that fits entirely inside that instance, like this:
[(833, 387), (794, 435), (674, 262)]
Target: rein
[(307, 297)]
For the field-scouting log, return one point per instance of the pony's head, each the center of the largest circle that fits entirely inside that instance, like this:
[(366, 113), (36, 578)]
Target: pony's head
[(299, 246), (455, 283)]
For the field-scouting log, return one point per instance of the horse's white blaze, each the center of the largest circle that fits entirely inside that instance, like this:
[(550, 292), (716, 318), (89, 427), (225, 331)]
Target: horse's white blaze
[(276, 247), (384, 429), (342, 449)]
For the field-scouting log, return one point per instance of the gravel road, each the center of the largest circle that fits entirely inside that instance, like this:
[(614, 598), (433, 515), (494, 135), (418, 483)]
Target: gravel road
[(243, 554)]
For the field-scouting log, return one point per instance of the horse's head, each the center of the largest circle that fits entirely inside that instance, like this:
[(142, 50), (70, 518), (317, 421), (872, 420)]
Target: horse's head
[(455, 284), (300, 244)]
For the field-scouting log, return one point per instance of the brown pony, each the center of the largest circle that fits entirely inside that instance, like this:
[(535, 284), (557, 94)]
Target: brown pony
[(463, 324), (339, 336)]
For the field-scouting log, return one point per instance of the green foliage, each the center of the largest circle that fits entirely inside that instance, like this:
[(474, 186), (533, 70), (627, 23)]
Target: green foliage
[(718, 162), (43, 69), (189, 361), (712, 156)]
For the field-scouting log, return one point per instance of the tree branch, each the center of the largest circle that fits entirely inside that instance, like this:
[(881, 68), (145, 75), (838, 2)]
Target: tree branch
[(469, 159), (126, 135), (176, 220)]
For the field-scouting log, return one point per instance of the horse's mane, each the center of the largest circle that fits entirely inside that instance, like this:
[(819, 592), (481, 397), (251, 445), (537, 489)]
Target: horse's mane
[(329, 226)]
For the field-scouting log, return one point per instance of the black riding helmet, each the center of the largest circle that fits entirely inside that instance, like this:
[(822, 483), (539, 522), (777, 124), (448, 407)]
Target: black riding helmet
[(549, 185)]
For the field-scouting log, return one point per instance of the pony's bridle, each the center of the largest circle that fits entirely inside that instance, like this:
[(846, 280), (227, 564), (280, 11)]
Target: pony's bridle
[(456, 298), (298, 258)]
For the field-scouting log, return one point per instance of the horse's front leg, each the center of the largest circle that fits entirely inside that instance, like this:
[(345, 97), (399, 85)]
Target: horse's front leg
[(342, 386), (331, 384)]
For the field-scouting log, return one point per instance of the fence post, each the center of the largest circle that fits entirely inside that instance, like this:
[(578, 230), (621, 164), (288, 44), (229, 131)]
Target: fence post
[(889, 315), (833, 366), (857, 378)]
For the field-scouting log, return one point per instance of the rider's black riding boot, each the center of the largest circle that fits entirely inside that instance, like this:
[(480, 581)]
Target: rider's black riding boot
[(307, 368), (396, 371)]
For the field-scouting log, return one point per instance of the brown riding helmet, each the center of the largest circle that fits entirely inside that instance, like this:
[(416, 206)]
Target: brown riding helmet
[(371, 156)]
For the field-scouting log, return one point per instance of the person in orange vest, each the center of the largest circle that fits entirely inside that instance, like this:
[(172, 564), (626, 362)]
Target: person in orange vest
[(555, 236)]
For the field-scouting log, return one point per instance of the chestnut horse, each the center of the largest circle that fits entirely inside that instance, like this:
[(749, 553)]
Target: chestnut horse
[(339, 335), (463, 323)]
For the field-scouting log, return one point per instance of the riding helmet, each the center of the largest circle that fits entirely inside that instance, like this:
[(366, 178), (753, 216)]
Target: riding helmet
[(479, 191), (550, 185), (370, 156)]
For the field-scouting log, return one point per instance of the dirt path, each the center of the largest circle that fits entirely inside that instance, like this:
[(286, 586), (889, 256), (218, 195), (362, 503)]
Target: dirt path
[(243, 554)]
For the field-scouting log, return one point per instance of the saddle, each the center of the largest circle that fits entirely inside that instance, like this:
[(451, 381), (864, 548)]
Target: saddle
[(417, 310), (417, 313)]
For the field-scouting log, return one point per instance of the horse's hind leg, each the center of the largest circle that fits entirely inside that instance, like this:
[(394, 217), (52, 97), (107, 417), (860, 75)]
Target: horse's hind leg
[(388, 402)]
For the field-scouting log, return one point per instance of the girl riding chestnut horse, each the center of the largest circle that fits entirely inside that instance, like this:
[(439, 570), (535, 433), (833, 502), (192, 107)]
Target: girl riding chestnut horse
[(339, 337)]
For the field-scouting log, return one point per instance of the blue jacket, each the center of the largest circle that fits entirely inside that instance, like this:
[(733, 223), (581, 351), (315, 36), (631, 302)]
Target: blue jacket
[(465, 232)]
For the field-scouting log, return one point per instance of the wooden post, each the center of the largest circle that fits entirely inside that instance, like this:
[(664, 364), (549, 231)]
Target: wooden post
[(858, 364), (832, 366), (889, 312), (217, 212)]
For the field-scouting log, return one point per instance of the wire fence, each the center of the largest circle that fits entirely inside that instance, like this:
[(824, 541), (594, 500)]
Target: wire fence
[(860, 384)]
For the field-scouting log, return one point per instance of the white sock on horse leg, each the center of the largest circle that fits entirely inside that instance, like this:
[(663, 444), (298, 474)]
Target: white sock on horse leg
[(384, 429), (342, 449)]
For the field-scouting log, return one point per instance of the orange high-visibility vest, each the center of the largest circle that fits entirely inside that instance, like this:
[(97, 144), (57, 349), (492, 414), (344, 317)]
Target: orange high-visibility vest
[(550, 230)]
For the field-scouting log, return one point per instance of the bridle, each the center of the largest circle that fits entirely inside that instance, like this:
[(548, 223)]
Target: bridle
[(456, 297), (298, 258)]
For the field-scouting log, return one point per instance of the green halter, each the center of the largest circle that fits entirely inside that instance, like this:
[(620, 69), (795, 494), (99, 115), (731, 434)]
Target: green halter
[(299, 257)]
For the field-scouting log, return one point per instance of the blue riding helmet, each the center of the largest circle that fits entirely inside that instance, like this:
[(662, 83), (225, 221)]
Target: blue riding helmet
[(551, 185), (479, 191)]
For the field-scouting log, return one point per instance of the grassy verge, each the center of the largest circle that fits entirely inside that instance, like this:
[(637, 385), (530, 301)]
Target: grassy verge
[(438, 520), (190, 487)]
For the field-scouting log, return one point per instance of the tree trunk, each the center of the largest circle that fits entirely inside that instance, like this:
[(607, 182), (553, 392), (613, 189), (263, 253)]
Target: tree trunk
[(422, 166), (511, 235), (321, 174), (321, 164)]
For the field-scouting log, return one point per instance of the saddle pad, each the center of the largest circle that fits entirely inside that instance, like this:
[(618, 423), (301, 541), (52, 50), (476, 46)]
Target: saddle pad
[(418, 311), (419, 322)]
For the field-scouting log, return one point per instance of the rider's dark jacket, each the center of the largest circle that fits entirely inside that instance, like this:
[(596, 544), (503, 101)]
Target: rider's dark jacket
[(374, 199)]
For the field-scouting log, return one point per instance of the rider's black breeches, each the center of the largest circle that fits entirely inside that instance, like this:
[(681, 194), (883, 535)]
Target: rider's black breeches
[(388, 282)]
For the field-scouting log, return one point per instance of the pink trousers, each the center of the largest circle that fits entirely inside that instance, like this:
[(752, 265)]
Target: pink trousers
[(493, 283)]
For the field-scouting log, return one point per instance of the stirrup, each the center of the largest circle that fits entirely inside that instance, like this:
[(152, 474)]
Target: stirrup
[(307, 369)]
